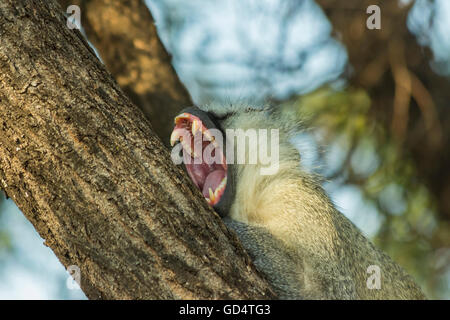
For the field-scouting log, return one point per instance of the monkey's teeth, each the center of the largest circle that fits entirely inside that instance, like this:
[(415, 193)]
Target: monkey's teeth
[(216, 193), (210, 138), (212, 197), (183, 116), (196, 125), (175, 136), (222, 184)]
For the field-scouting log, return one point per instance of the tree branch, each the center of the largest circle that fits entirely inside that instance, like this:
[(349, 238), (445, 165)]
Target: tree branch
[(84, 166), (125, 35)]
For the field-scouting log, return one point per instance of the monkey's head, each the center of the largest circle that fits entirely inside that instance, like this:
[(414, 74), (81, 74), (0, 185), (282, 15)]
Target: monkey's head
[(198, 135)]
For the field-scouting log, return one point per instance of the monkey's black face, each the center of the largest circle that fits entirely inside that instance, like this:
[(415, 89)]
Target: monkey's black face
[(203, 146)]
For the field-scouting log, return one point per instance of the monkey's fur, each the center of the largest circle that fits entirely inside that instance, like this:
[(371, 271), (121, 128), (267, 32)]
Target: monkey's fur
[(305, 247)]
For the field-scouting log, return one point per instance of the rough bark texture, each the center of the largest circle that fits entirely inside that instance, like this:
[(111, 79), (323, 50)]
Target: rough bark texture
[(83, 165), (125, 36)]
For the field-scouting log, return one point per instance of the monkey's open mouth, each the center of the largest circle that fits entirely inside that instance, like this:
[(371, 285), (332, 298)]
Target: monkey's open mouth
[(196, 139)]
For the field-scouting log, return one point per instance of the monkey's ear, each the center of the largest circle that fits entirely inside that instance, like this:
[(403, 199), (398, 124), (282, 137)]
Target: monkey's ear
[(208, 120)]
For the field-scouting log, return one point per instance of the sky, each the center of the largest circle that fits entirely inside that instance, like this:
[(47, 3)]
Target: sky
[(31, 270)]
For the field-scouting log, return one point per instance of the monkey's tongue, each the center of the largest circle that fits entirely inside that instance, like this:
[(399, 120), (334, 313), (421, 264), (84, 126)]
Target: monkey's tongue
[(212, 181), (198, 172)]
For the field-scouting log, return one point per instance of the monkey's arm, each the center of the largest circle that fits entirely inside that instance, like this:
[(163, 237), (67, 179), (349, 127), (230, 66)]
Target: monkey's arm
[(271, 257)]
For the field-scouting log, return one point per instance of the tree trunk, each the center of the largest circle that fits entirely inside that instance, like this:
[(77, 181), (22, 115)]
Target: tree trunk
[(125, 36), (83, 165)]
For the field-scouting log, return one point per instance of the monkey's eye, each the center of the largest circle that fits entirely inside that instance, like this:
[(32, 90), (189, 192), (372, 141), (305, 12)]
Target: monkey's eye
[(203, 155)]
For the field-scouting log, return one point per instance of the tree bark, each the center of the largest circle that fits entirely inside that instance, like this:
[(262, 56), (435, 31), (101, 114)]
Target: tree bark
[(125, 36), (83, 165)]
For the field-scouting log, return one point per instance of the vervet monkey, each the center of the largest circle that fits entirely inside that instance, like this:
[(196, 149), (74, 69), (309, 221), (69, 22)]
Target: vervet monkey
[(296, 237)]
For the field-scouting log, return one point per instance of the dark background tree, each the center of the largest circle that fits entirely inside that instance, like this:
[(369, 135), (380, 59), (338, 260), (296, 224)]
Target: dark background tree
[(124, 34)]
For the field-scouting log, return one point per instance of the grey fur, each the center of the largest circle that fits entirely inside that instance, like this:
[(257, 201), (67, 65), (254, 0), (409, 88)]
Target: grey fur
[(305, 247)]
